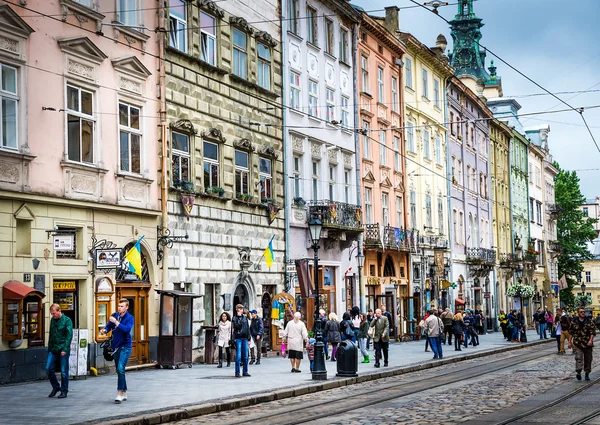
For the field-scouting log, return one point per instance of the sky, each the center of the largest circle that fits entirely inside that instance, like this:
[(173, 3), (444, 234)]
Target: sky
[(553, 42)]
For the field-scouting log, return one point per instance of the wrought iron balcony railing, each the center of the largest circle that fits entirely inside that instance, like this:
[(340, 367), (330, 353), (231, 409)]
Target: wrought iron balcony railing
[(434, 242), (481, 255), (553, 209), (555, 246), (337, 215), (391, 237), (508, 260)]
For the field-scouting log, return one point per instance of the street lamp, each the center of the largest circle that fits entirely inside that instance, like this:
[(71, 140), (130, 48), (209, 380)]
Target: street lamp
[(583, 288), (360, 260), (319, 372)]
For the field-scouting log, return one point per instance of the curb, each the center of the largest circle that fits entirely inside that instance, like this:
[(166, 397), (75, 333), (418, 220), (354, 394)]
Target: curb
[(170, 414)]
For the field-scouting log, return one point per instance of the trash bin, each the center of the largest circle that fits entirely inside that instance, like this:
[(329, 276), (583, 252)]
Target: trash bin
[(347, 359)]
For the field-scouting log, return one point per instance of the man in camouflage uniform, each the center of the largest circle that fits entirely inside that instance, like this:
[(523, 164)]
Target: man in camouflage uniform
[(582, 338)]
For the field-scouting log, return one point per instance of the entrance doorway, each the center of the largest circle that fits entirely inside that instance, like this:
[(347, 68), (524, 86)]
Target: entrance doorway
[(138, 308), (240, 296), (411, 314)]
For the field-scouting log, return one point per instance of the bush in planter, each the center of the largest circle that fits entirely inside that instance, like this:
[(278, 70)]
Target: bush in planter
[(520, 290), (268, 201), (244, 197), (216, 190), (299, 202), (186, 186)]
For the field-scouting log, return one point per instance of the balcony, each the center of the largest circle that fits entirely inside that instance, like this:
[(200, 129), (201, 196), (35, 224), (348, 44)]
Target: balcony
[(337, 215), (434, 242), (481, 261), (508, 261), (391, 238), (554, 210), (555, 247)]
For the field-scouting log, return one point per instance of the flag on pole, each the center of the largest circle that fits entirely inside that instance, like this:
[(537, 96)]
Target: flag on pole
[(562, 283), (134, 259), (268, 254)]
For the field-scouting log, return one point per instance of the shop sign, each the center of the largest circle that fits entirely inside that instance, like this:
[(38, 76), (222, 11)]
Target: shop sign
[(64, 243), (103, 298), (104, 285), (64, 285), (486, 295), (108, 258), (372, 281)]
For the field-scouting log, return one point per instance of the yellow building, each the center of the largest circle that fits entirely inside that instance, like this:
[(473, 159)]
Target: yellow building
[(591, 278), (426, 71)]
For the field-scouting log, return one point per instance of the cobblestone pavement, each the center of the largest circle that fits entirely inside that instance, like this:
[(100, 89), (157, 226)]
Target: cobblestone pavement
[(451, 404)]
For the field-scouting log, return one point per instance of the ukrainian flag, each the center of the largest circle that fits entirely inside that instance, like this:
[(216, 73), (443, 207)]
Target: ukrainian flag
[(269, 255), (134, 258)]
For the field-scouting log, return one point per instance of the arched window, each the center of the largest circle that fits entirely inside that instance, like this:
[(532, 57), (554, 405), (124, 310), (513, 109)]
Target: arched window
[(388, 267), (470, 242), (124, 275)]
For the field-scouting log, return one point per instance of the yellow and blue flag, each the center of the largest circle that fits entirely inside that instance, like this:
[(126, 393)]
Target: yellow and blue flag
[(134, 258), (268, 254)]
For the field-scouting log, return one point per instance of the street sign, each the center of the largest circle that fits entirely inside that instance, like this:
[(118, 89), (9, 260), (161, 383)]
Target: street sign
[(486, 295)]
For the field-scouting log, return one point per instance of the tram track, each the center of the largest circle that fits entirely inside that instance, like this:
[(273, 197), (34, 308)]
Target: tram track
[(356, 400)]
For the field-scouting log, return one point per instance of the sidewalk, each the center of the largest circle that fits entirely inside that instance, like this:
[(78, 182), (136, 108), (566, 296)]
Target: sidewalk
[(153, 389)]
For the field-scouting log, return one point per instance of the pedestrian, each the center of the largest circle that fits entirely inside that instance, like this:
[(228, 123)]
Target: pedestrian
[(582, 338), (224, 338), (550, 323), (565, 332), (435, 331), (513, 326), (424, 332), (241, 335), (121, 324), (478, 322), (536, 319), (598, 321), (557, 329), (468, 326), (295, 335), (503, 320), (522, 329), (332, 330), (457, 330), (323, 320), (381, 337), (257, 330), (370, 317), (59, 348), (446, 317), (363, 332), (542, 317), (310, 352), (347, 328), (387, 314), (355, 317)]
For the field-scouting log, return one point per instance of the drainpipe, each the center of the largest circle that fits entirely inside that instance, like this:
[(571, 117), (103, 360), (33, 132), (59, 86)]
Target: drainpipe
[(361, 288), (162, 83), (449, 189), (286, 180)]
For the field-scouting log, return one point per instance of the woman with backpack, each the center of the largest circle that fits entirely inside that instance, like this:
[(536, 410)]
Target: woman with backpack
[(332, 330), (457, 330), (347, 328), (363, 331)]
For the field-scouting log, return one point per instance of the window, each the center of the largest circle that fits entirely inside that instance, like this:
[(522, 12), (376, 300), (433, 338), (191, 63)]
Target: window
[(23, 239), (364, 73), (345, 112), (452, 126), (297, 174), (293, 16), (177, 25), (264, 66), (331, 182), (461, 227), (538, 210), (428, 216), (294, 90), (347, 186), (382, 148), (469, 178), (408, 73), (130, 137), (315, 180), (397, 162), (80, 123), (453, 169), (440, 208), (180, 158), (588, 277), (313, 98), (330, 105), (366, 141), (538, 182), (474, 179), (266, 178), (426, 144), (208, 39), (368, 206), (211, 165), (399, 218), (394, 94), (344, 45), (425, 84), (311, 20), (380, 88), (385, 214), (413, 209), (460, 172), (436, 93), (585, 211), (541, 254), (75, 238), (242, 173), (329, 36), (531, 210), (410, 137), (8, 106), (438, 151), (455, 227), (127, 11), (239, 53)]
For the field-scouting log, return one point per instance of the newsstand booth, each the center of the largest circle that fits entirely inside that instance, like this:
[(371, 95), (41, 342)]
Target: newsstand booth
[(23, 315), (282, 311)]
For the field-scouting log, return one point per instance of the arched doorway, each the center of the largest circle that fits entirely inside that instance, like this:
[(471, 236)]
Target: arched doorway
[(240, 296)]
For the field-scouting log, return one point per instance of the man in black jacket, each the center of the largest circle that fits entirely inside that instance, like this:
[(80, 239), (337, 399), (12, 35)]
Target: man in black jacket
[(257, 330), (241, 335)]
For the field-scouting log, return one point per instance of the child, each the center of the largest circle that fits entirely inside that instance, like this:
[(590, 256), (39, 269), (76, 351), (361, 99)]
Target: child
[(310, 352)]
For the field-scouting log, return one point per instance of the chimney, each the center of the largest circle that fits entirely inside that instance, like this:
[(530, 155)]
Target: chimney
[(391, 19)]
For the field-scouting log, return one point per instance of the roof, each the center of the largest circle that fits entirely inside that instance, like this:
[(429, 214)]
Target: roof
[(14, 290), (594, 248)]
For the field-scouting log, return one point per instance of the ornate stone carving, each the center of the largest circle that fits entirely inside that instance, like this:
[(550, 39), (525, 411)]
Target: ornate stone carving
[(9, 172), (297, 144), (244, 144), (9, 45), (241, 23), (130, 85), (244, 252), (269, 151), (81, 18), (214, 134), (347, 160), (212, 7), (315, 150), (129, 39), (83, 184), (133, 192), (332, 155), (80, 69), (330, 74), (185, 125), (313, 65), (344, 82), (265, 38)]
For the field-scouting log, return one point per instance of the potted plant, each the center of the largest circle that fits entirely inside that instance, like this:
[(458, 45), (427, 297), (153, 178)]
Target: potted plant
[(216, 190), (268, 201), (299, 202), (244, 197), (186, 186)]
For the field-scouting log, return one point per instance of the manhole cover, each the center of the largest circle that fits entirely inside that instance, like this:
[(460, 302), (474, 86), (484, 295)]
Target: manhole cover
[(217, 377)]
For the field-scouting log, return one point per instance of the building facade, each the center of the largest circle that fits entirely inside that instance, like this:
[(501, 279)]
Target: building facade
[(320, 144), (78, 181), (591, 278), (386, 240), (591, 208), (426, 71), (225, 150)]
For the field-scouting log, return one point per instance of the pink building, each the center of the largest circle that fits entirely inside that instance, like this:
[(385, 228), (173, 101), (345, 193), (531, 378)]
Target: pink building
[(78, 170)]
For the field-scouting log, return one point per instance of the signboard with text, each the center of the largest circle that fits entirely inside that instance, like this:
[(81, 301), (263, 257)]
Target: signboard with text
[(63, 243), (108, 258)]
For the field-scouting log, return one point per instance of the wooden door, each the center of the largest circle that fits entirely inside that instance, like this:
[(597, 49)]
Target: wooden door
[(410, 315), (138, 308)]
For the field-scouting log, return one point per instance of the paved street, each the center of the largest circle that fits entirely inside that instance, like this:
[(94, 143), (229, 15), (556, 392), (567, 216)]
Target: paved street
[(152, 389)]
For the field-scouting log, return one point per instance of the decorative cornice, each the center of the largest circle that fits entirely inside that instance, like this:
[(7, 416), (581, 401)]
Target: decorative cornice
[(211, 7), (82, 13), (13, 23), (241, 23), (82, 47), (185, 125), (265, 38), (244, 144), (214, 134), (269, 151)]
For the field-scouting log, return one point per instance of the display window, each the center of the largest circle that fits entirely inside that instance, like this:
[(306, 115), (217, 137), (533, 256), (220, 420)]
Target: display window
[(104, 290), (65, 295), (22, 314)]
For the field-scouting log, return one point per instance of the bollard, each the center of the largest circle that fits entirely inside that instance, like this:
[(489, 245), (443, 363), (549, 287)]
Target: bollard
[(347, 359)]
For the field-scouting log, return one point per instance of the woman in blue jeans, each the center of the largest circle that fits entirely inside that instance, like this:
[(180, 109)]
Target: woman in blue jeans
[(120, 323), (514, 322)]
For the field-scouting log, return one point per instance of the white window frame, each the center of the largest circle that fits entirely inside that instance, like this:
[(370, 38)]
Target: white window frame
[(408, 74), (426, 144), (180, 156), (461, 226), (312, 36), (212, 163), (313, 98), (413, 209), (347, 186), (382, 148), (265, 178), (428, 212), (295, 91), (8, 96), (436, 93), (332, 178), (240, 55), (440, 207), (178, 27), (208, 41), (343, 45), (315, 179), (297, 172), (131, 131), (410, 136), (438, 151), (293, 16), (364, 73), (345, 112), (366, 141), (425, 77), (394, 94), (244, 173), (399, 221), (263, 74), (380, 85), (127, 10), (330, 100), (385, 211), (397, 155), (368, 206)]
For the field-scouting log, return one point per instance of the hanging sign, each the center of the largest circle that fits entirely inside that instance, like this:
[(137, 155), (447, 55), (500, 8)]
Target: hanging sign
[(108, 258), (64, 242)]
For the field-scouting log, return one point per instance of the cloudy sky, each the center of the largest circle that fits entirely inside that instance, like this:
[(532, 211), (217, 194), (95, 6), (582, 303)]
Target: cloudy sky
[(555, 43)]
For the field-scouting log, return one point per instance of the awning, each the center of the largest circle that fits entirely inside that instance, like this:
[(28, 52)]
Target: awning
[(459, 302), (13, 290), (176, 293)]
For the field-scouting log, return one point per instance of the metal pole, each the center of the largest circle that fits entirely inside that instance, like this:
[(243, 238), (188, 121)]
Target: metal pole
[(319, 372)]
